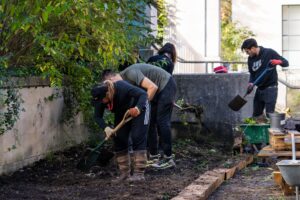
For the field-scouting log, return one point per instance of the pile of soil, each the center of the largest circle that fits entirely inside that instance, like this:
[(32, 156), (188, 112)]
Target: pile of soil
[(57, 177)]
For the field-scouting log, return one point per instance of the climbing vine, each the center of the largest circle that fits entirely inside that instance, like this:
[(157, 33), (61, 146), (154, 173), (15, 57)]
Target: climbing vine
[(70, 42)]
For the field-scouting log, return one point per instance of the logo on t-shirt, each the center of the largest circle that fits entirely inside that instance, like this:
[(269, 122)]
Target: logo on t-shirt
[(256, 65)]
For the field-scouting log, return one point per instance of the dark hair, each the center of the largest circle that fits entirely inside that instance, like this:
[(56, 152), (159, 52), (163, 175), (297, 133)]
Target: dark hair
[(107, 72), (248, 44), (169, 48)]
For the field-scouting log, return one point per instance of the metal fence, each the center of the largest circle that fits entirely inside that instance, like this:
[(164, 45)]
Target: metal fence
[(188, 67)]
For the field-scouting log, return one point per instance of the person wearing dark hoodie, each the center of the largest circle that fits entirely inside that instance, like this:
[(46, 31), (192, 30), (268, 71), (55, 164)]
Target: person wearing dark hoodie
[(161, 89), (260, 59), (120, 97), (165, 58)]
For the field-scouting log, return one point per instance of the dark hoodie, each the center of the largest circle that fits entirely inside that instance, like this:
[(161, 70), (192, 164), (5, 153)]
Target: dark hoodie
[(126, 96), (257, 64)]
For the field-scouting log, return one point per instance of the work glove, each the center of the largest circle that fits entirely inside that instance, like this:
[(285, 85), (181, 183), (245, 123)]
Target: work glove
[(275, 62), (250, 88), (108, 131), (134, 112)]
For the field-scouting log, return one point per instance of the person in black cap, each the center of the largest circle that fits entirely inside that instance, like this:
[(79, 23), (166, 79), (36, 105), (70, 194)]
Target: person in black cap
[(161, 89), (260, 58), (120, 97)]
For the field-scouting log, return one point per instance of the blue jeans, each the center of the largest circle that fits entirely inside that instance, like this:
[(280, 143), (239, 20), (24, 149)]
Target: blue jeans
[(265, 99), (160, 122)]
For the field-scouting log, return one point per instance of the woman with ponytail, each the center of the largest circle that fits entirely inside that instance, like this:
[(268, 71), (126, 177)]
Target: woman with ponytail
[(119, 97)]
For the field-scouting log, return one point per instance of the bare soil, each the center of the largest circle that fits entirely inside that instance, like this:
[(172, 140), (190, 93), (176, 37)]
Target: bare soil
[(57, 177), (250, 184)]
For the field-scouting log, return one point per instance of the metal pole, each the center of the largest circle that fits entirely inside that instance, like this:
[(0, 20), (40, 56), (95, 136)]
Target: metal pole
[(297, 193), (293, 146)]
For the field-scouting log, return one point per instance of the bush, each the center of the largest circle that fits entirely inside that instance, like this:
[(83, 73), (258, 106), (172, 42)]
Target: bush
[(71, 42)]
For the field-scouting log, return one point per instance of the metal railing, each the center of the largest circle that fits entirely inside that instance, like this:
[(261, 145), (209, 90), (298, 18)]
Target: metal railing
[(206, 66)]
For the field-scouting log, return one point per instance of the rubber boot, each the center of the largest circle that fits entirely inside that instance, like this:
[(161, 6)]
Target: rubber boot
[(123, 161), (140, 161)]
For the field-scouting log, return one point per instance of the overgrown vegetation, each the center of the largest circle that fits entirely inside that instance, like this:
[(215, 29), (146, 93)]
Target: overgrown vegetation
[(162, 20), (70, 42), (233, 34)]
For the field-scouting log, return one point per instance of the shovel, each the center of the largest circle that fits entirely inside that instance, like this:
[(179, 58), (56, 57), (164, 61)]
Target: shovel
[(238, 102), (91, 155)]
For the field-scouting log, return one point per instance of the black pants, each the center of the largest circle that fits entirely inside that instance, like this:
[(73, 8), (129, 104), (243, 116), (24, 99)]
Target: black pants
[(265, 99), (136, 129), (160, 123)]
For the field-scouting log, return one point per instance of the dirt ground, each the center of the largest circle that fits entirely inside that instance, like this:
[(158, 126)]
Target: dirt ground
[(56, 177), (253, 182)]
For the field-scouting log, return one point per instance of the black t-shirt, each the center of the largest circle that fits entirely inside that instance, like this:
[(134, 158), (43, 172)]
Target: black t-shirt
[(162, 61), (257, 64)]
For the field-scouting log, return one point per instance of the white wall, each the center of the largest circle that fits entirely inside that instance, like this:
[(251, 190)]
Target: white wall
[(38, 131), (264, 18), (195, 34)]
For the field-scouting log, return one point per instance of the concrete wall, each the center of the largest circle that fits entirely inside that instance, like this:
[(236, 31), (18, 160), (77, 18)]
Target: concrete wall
[(214, 92), (38, 131)]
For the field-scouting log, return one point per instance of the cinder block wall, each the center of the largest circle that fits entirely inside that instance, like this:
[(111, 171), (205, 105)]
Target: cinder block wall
[(39, 130), (214, 92)]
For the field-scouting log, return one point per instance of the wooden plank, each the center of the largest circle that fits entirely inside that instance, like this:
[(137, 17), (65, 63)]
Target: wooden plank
[(269, 151), (286, 189), (282, 141), (208, 182)]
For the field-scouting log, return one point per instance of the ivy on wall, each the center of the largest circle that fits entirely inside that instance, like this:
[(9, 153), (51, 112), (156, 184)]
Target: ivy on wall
[(71, 42), (233, 34)]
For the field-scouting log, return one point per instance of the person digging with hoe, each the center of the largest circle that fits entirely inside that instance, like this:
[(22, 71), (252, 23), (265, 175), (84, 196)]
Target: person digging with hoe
[(260, 59), (161, 90), (121, 97)]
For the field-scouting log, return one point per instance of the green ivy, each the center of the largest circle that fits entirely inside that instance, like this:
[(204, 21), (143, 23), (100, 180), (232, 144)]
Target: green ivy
[(71, 42), (162, 20), (233, 34)]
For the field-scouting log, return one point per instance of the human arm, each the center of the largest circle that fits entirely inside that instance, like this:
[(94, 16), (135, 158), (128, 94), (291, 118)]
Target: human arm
[(150, 87), (136, 93), (278, 60), (98, 114)]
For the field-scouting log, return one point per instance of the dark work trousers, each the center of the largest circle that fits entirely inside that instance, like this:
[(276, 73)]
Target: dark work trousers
[(265, 99), (160, 123), (136, 129)]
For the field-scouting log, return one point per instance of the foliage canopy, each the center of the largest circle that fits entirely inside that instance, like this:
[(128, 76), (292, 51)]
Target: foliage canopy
[(71, 42)]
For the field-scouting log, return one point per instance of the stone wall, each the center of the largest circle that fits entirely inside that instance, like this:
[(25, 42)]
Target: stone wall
[(213, 92)]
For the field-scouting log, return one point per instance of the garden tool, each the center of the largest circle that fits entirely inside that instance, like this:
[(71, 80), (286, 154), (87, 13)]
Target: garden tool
[(238, 102), (91, 155)]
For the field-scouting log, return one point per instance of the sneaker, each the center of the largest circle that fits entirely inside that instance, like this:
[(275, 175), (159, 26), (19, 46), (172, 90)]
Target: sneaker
[(166, 162), (153, 159)]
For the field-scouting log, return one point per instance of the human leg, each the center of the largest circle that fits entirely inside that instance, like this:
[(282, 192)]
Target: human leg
[(139, 129), (270, 98), (258, 103)]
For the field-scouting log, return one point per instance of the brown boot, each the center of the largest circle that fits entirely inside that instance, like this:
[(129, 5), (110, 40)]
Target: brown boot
[(123, 160), (140, 161)]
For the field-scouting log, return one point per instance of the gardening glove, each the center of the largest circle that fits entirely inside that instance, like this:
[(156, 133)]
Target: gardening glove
[(250, 88), (134, 112), (275, 62), (108, 132)]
